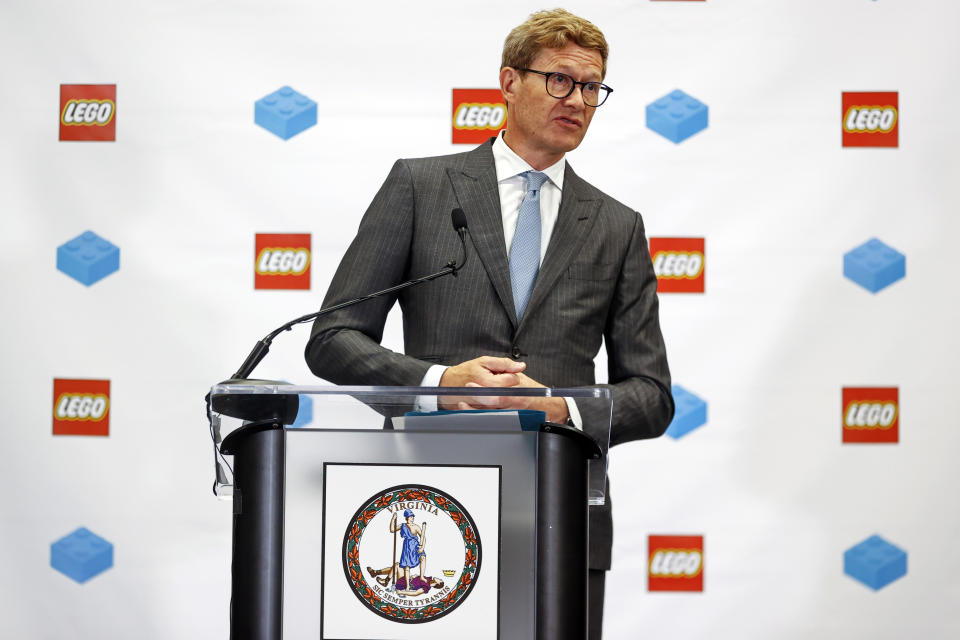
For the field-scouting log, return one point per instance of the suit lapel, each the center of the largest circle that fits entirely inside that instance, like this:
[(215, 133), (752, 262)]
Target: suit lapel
[(578, 212), (479, 197)]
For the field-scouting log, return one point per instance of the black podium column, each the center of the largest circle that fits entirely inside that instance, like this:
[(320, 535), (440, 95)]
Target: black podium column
[(562, 539), (256, 604)]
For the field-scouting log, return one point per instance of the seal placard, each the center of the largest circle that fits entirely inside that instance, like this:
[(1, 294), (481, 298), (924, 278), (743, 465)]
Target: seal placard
[(411, 553)]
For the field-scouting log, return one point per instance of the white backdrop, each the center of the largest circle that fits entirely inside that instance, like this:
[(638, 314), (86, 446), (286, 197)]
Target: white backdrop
[(778, 333)]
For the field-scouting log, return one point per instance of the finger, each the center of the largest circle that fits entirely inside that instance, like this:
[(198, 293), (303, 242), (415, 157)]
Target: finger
[(501, 365), (498, 379), (486, 402), (521, 402), (523, 380)]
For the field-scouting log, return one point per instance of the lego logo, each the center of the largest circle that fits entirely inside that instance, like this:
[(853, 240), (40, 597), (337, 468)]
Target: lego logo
[(870, 415), (479, 115), (87, 112), (82, 406), (869, 119), (674, 563), (678, 264), (282, 261)]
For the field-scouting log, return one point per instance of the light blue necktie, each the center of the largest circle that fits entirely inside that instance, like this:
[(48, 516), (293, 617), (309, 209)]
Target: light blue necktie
[(525, 250)]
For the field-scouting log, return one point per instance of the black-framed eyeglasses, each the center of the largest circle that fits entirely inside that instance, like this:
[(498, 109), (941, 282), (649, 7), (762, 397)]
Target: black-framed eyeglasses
[(560, 85)]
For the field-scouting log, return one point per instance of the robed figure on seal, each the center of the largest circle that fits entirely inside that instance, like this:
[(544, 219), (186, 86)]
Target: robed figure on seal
[(412, 555)]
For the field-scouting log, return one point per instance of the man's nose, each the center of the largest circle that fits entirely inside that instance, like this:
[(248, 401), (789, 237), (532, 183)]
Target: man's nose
[(575, 99)]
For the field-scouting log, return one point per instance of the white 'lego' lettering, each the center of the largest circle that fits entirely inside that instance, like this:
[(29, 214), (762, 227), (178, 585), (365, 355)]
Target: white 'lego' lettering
[(870, 414), (81, 406), (870, 119), (283, 261), (676, 563), (96, 112), (480, 116), (678, 264)]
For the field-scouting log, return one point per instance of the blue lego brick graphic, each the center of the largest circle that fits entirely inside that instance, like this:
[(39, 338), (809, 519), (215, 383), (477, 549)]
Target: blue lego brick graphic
[(305, 413), (691, 412), (88, 258), (875, 562), (677, 116), (873, 265), (285, 112), (81, 555)]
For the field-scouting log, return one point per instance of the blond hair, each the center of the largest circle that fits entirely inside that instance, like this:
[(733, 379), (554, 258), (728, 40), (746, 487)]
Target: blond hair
[(551, 29)]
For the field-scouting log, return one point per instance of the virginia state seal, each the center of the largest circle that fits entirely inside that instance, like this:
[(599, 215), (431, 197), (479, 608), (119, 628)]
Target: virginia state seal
[(411, 553)]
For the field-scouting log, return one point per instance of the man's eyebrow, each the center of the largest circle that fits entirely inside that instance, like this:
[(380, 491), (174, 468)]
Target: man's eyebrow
[(566, 70)]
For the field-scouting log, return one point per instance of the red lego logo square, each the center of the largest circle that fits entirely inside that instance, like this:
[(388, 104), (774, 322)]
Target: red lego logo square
[(88, 112), (680, 264), (81, 407), (281, 261), (871, 414), (478, 115), (675, 563), (871, 119)]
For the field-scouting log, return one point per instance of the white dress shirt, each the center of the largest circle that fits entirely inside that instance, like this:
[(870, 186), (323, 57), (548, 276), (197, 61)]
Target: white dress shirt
[(512, 187)]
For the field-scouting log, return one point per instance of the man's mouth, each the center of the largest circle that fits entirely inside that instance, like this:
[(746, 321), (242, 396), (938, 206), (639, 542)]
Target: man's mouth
[(568, 121)]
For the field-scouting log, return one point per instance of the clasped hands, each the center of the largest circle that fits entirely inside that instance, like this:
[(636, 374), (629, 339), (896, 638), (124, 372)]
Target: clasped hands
[(491, 371)]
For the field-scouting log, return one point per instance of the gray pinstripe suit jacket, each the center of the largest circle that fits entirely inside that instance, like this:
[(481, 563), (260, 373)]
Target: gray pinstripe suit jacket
[(596, 281)]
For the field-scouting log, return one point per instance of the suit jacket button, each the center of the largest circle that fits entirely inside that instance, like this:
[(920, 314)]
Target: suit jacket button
[(515, 352)]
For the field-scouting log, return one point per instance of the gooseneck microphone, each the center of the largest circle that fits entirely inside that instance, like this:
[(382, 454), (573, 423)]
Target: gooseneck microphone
[(459, 219)]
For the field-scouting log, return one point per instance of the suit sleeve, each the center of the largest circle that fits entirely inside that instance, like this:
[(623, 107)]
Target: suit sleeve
[(344, 347), (638, 374)]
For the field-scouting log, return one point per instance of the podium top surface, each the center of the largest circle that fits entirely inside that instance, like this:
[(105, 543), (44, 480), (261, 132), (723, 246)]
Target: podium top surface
[(242, 387), (346, 407)]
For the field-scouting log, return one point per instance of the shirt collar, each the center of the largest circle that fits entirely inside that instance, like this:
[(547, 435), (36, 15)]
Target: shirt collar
[(508, 164)]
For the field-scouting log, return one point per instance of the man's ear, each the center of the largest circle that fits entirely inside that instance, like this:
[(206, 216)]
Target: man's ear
[(509, 81)]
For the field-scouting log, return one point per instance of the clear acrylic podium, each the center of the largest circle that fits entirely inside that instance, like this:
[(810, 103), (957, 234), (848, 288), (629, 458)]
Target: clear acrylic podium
[(380, 520)]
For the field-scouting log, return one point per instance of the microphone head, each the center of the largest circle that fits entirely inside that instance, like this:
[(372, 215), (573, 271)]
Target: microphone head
[(459, 219)]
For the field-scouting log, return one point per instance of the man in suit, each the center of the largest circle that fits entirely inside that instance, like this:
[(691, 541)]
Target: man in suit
[(560, 265)]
